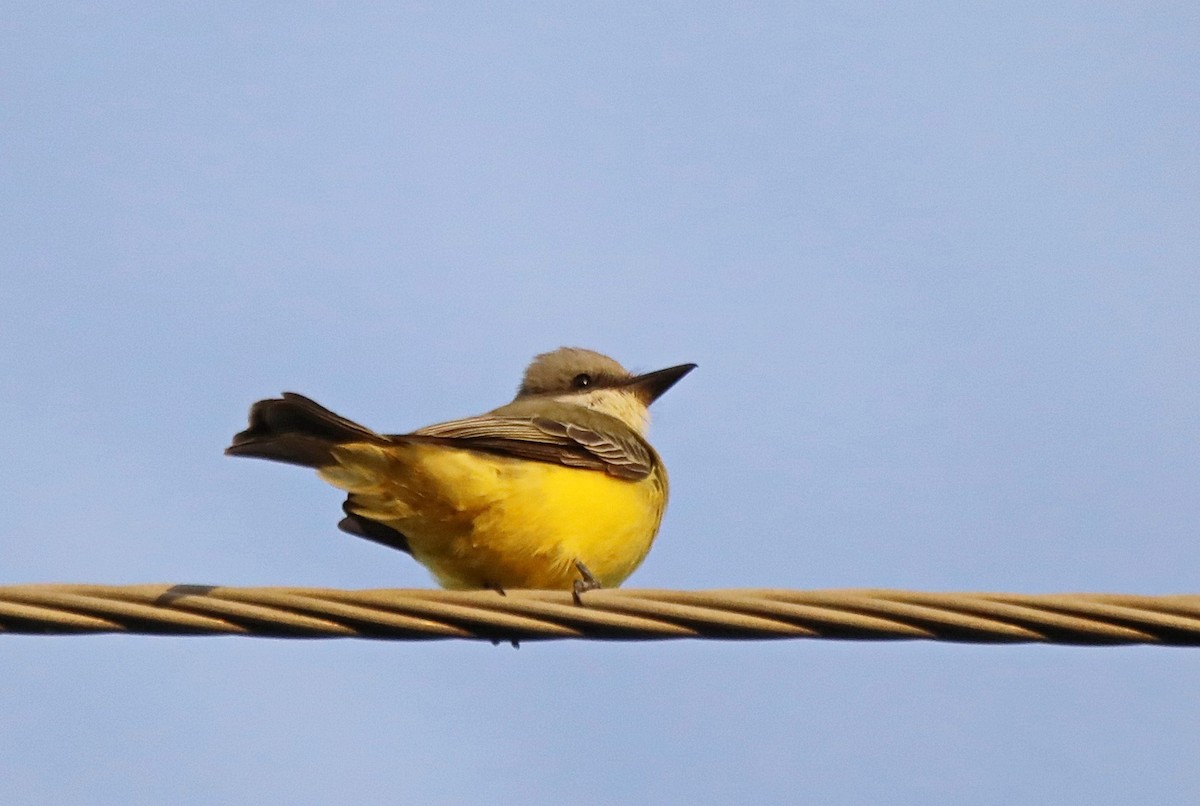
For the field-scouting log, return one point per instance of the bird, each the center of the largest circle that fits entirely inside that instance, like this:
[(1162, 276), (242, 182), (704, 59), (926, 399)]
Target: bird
[(557, 490)]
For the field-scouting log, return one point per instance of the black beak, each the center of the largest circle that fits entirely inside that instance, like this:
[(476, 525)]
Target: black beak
[(651, 386)]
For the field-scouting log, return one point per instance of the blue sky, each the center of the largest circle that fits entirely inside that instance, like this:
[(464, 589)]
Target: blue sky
[(939, 265)]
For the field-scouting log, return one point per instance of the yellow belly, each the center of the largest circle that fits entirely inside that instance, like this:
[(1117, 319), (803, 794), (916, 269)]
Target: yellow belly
[(477, 520)]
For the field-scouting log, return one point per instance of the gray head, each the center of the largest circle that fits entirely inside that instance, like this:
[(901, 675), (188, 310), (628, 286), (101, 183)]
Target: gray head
[(595, 381), (571, 369)]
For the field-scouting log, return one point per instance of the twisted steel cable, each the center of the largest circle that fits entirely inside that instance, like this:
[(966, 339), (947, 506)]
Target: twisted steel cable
[(623, 615)]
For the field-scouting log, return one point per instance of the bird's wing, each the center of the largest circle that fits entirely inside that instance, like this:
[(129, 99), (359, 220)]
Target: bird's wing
[(620, 453)]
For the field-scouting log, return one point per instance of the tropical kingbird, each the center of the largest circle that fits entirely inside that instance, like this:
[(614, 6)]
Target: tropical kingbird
[(558, 489)]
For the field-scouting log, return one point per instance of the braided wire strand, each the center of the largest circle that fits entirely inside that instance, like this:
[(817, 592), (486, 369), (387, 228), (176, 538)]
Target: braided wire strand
[(627, 615)]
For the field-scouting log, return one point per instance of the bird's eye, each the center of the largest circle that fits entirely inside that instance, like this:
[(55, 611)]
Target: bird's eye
[(581, 381)]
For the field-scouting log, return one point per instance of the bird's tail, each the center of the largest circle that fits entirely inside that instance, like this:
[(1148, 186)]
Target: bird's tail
[(298, 431)]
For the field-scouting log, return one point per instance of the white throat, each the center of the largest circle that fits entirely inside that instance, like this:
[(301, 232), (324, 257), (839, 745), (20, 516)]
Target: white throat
[(618, 403)]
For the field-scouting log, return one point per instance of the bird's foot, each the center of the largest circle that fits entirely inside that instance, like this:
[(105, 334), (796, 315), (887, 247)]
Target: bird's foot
[(586, 582)]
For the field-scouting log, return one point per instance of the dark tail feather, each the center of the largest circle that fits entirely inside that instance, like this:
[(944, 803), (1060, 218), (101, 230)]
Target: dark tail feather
[(357, 525), (296, 430)]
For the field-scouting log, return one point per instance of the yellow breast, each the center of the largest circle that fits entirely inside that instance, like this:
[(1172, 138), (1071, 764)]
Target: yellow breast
[(482, 521)]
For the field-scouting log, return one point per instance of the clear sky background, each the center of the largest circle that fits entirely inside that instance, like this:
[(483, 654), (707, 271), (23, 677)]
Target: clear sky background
[(939, 264)]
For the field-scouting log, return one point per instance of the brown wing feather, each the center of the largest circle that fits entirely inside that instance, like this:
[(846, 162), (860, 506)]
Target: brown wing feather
[(545, 439)]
